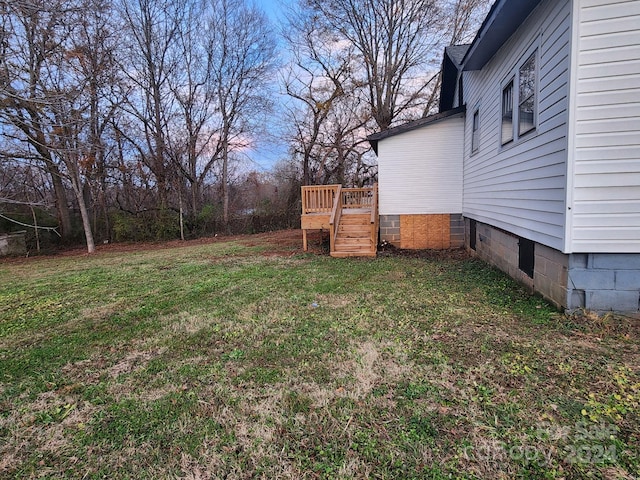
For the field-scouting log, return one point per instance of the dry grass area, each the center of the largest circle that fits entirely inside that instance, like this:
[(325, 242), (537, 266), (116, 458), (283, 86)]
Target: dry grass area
[(245, 358)]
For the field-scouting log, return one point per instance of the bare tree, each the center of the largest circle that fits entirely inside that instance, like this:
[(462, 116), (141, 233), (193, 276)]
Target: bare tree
[(316, 78), (194, 148), (152, 29), (32, 33), (92, 62), (463, 19), (59, 94), (395, 40), (362, 65), (243, 48)]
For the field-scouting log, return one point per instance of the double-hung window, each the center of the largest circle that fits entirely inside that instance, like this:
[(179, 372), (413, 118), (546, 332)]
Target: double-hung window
[(519, 102), (475, 132)]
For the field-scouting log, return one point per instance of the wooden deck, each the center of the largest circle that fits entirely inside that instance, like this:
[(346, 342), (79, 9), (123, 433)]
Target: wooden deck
[(349, 214)]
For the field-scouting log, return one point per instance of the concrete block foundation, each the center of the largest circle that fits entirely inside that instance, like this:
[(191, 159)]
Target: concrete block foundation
[(592, 281), (390, 229)]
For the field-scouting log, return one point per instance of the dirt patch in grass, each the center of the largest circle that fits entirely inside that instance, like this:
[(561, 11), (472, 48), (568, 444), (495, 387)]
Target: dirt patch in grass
[(46, 425), (389, 250), (284, 238), (334, 300), (241, 360), (132, 361)]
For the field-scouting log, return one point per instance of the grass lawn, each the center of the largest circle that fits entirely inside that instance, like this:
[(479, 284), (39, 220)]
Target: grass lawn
[(246, 358)]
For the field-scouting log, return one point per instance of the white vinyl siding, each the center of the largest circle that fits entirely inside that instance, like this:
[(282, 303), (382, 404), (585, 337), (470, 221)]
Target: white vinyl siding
[(521, 186), (420, 171), (604, 194)]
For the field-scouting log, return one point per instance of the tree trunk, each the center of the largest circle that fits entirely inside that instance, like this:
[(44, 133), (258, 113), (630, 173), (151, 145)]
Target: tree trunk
[(225, 184), (86, 224), (62, 208), (194, 197), (84, 212)]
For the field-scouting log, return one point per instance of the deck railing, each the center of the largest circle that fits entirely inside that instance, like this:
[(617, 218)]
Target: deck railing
[(375, 218), (333, 200), (334, 221), (318, 198), (357, 197)]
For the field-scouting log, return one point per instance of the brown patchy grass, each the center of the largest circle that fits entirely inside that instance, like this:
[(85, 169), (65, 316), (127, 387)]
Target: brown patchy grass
[(243, 358)]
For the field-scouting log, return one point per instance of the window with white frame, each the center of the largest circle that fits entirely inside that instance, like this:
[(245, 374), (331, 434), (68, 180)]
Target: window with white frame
[(519, 101), (527, 96), (507, 113), (475, 132)]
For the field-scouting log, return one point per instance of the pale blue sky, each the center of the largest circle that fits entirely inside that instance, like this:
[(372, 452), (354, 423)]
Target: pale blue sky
[(269, 151), (273, 8)]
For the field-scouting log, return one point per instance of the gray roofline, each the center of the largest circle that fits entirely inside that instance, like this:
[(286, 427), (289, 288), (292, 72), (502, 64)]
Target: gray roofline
[(504, 18), (457, 52), (409, 126), (451, 66)]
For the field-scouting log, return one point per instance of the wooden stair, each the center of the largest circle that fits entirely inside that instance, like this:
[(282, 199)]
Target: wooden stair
[(353, 237), (350, 215)]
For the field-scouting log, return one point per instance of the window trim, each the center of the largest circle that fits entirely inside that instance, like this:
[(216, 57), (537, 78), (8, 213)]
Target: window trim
[(475, 131), (533, 57), (512, 79), (509, 84)]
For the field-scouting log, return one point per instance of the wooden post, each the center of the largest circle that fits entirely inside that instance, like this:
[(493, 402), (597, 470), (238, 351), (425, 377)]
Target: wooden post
[(304, 240)]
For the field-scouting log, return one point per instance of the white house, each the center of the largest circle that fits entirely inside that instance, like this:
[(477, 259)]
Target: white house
[(535, 151)]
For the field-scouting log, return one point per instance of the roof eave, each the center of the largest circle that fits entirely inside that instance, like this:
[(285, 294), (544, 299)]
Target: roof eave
[(504, 18), (409, 126)]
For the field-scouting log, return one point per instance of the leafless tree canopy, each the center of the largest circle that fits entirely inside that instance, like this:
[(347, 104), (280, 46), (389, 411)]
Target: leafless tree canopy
[(133, 119), (364, 65)]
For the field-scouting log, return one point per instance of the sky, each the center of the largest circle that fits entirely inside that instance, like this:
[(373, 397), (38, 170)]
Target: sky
[(273, 8), (270, 151)]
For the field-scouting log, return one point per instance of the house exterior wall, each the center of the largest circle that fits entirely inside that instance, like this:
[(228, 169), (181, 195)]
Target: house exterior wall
[(604, 281), (456, 230), (599, 282), (430, 231), (604, 137), (521, 187), (390, 229), (420, 171), (501, 249)]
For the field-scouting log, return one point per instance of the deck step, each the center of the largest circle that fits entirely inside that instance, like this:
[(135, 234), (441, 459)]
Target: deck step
[(353, 241), (336, 254), (354, 226), (358, 231), (353, 237), (355, 220), (353, 248)]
